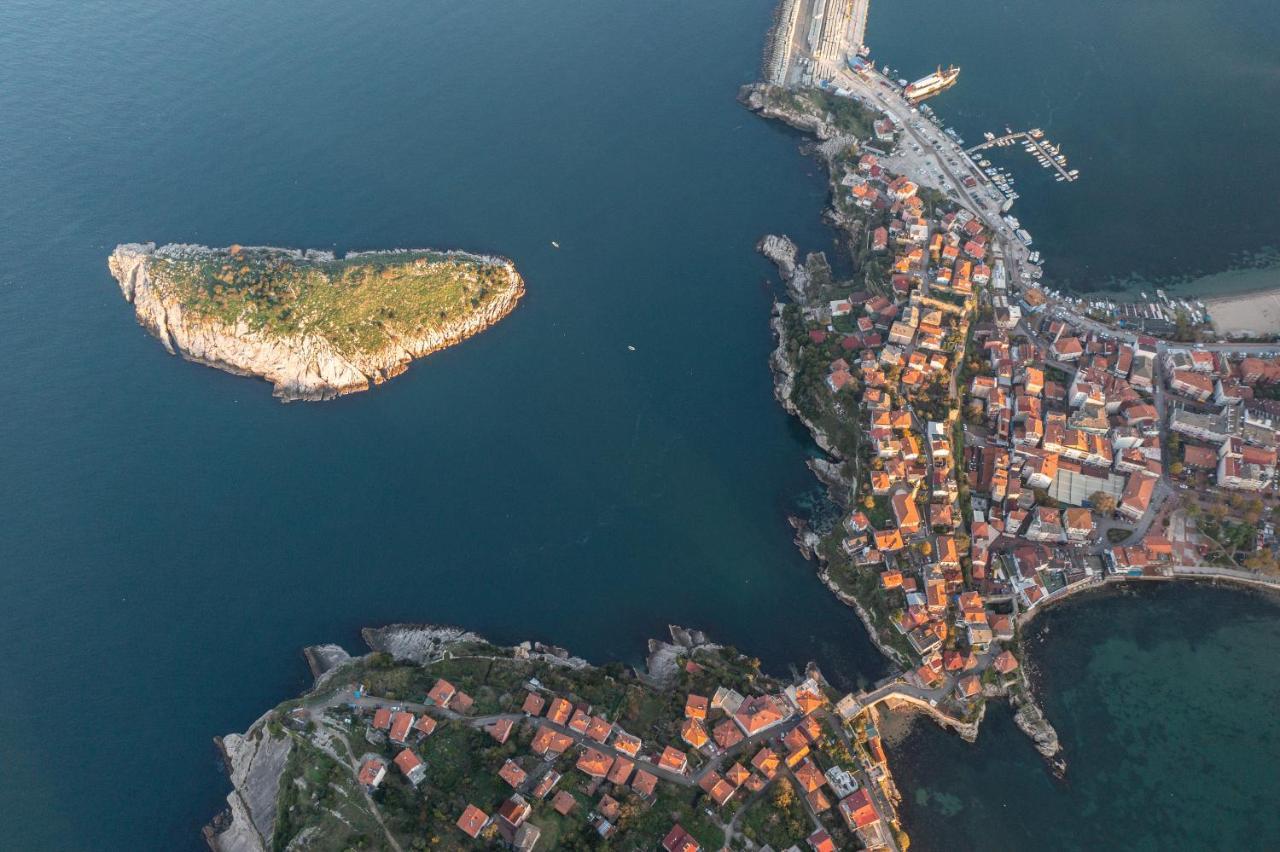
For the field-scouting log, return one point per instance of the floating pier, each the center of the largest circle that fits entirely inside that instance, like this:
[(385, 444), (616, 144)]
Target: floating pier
[(1049, 155)]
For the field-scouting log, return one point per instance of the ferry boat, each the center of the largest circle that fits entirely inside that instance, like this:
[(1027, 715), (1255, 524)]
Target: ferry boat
[(927, 87)]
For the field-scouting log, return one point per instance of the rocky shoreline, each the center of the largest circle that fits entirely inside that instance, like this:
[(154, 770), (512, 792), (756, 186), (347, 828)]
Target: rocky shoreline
[(256, 760), (302, 366), (783, 252)]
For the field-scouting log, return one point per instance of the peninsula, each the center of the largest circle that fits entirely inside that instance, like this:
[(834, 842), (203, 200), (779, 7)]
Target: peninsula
[(991, 447), (438, 739), (314, 325)]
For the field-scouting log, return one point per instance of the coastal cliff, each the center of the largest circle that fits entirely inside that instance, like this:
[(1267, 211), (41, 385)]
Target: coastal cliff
[(255, 761), (774, 102), (314, 326)]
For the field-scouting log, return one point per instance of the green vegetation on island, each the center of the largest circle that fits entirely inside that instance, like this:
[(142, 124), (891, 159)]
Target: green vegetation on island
[(314, 325), (358, 304)]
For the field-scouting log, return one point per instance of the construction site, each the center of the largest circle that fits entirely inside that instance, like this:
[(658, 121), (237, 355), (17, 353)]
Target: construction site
[(812, 40)]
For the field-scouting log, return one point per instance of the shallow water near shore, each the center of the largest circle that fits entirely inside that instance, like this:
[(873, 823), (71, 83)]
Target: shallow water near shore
[(1164, 697)]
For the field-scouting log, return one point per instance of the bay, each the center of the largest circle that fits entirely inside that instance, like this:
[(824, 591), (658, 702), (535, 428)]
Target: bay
[(171, 536), (1164, 698)]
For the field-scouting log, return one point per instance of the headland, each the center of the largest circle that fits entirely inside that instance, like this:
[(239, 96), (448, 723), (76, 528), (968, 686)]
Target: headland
[(439, 739), (314, 325), (993, 447)]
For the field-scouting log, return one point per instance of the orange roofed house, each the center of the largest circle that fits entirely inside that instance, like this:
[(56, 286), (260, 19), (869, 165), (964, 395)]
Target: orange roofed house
[(758, 713), (673, 759), (401, 724), (560, 711), (550, 741), (473, 821), (905, 513), (679, 840), (533, 704), (410, 766), (372, 771), (442, 693), (595, 763)]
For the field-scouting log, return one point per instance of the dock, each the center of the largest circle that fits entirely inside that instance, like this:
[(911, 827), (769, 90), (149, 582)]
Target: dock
[(1040, 145), (811, 40)]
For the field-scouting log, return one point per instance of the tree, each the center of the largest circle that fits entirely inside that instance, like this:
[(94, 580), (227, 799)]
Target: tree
[(784, 795), (1102, 502), (926, 548), (1176, 469), (869, 502)]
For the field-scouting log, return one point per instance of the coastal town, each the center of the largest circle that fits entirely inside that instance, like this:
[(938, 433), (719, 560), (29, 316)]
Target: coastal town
[(993, 447), (990, 448)]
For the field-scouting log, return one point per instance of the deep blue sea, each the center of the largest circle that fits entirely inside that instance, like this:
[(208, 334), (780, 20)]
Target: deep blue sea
[(171, 536), (1167, 108)]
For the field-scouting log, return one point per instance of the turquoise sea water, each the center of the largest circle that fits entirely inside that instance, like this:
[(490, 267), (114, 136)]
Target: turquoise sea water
[(170, 536), (1165, 702)]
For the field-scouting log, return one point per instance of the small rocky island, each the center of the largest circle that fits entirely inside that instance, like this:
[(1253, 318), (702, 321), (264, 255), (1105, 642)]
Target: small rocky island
[(314, 325)]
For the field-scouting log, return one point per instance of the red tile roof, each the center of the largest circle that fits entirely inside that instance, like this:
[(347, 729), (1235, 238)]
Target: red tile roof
[(441, 692), (401, 723), (679, 840), (512, 773), (563, 802), (407, 761), (621, 770), (644, 782), (472, 821), (595, 763)]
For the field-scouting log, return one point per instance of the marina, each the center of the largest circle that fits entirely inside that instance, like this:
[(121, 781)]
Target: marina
[(1047, 154)]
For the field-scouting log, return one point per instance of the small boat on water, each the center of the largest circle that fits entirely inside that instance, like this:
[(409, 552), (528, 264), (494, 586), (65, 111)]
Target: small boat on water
[(555, 244)]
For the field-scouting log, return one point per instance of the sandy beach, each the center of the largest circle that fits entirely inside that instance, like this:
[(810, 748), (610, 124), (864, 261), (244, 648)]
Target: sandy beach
[(1251, 314), (1249, 304)]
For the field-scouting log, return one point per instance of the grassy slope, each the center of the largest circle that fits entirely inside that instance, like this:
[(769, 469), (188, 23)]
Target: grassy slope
[(352, 303), (462, 763)]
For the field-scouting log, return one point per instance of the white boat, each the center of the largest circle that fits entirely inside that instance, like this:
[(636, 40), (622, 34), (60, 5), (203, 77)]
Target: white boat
[(555, 244)]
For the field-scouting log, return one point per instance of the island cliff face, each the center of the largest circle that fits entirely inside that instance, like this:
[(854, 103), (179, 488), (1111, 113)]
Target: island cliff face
[(315, 326)]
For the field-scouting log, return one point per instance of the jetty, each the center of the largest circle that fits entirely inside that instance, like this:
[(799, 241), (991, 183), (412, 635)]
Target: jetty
[(810, 40), (1049, 155)]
